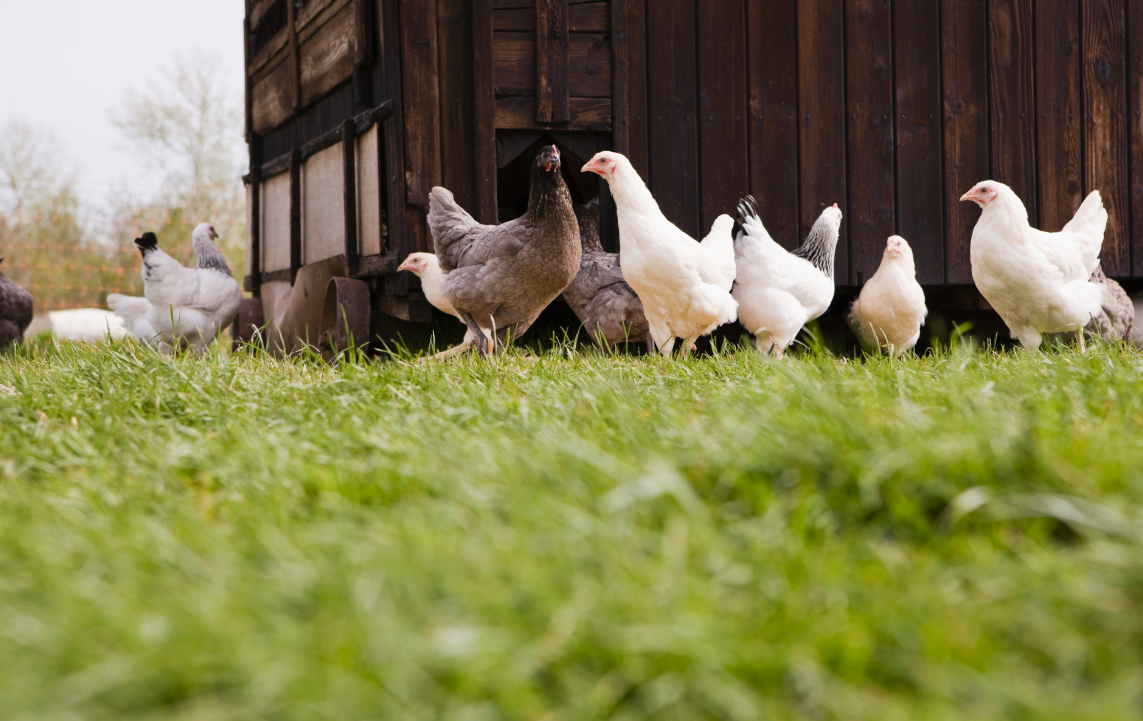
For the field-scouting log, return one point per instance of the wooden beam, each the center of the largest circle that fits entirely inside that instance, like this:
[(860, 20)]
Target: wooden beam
[(553, 73), (364, 32), (295, 56), (255, 283), (349, 154), (295, 213), (484, 110)]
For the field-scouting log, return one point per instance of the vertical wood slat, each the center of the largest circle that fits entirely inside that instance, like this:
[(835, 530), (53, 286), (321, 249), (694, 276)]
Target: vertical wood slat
[(484, 111), (1013, 127), (725, 170), (1058, 111), (349, 188), (1105, 127), (671, 93), (295, 59), (553, 73), (255, 242), (821, 106), (920, 181), (364, 33), (1135, 128), (964, 41), (872, 208), (295, 213), (773, 123), (454, 29), (629, 81), (420, 77), (249, 81)]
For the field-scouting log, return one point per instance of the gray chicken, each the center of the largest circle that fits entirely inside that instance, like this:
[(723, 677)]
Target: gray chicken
[(15, 311), (602, 300), (1116, 320), (505, 275)]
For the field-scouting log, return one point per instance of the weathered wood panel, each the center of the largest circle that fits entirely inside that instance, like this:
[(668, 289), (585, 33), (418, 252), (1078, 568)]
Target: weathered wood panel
[(1013, 116), (273, 96), (586, 114), (821, 106), (723, 111), (419, 76), (964, 40), (672, 101), (515, 62), (327, 56), (1105, 127), (1135, 129), (1059, 105), (455, 30), (773, 124), (629, 83), (920, 181), (871, 212), (553, 96), (484, 111)]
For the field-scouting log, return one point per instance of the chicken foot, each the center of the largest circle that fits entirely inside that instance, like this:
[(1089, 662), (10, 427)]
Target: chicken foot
[(479, 339)]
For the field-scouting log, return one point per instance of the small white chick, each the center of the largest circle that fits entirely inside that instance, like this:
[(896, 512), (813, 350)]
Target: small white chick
[(890, 310)]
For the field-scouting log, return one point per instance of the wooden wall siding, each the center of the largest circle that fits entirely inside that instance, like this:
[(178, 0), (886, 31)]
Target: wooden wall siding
[(1135, 123), (821, 111), (553, 94), (773, 122), (629, 81), (672, 99), (920, 181), (420, 81), (1105, 127), (964, 41), (869, 128), (1013, 117), (1058, 116), (722, 108), (454, 29)]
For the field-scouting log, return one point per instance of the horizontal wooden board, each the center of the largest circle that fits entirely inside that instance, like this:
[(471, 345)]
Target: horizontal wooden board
[(313, 10), (591, 17), (273, 97), (519, 113), (514, 55), (327, 56)]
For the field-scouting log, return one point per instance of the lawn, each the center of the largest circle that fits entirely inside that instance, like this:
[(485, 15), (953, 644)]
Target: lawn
[(563, 535)]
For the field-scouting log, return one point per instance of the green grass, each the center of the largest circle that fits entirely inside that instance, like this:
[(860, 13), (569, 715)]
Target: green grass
[(563, 535)]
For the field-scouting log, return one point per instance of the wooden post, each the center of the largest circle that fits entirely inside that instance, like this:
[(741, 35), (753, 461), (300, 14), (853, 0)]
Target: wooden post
[(484, 110), (552, 70), (295, 58), (295, 213), (349, 153)]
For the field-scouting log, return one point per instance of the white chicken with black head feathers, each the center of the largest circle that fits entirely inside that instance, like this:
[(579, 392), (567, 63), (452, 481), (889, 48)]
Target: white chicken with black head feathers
[(183, 307), (684, 286), (890, 310), (1038, 282), (778, 292)]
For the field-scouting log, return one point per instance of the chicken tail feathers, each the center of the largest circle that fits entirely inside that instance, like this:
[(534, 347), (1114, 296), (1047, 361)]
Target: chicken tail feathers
[(750, 221), (451, 226), (129, 308), (147, 243), (1088, 226)]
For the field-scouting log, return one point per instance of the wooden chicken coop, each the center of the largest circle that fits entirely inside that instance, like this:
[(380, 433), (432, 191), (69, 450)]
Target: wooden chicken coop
[(892, 109)]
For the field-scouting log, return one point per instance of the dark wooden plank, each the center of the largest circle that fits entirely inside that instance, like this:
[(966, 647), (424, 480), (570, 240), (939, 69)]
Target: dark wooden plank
[(1105, 124), (588, 18), (589, 74), (552, 68), (772, 29), (420, 75), (484, 111), (363, 33), (1013, 111), (871, 213), (1135, 129), (255, 243), (629, 124), (327, 57), (295, 213), (920, 180), (964, 40), (821, 106), (397, 239), (723, 112), (1059, 110), (521, 20), (248, 85), (295, 55), (349, 195), (458, 171), (586, 114), (272, 97), (672, 100)]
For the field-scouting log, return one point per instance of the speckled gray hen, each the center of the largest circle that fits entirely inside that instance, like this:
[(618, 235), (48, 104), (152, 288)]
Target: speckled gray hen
[(1116, 319), (507, 274), (599, 296), (15, 311)]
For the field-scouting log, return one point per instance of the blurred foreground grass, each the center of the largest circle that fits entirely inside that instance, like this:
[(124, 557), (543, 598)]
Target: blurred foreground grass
[(569, 536)]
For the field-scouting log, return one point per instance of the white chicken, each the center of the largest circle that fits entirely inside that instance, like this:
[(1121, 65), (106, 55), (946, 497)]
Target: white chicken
[(86, 325), (890, 310), (684, 286), (183, 307), (426, 267), (1038, 282), (778, 292)]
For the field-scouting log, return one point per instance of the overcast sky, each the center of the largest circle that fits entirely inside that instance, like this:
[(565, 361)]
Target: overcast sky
[(66, 63)]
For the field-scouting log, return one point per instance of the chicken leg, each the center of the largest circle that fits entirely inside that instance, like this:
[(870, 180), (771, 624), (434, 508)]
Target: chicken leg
[(479, 339)]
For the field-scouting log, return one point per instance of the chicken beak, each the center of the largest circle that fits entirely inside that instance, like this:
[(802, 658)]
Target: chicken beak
[(404, 266), (966, 196), (589, 168)]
